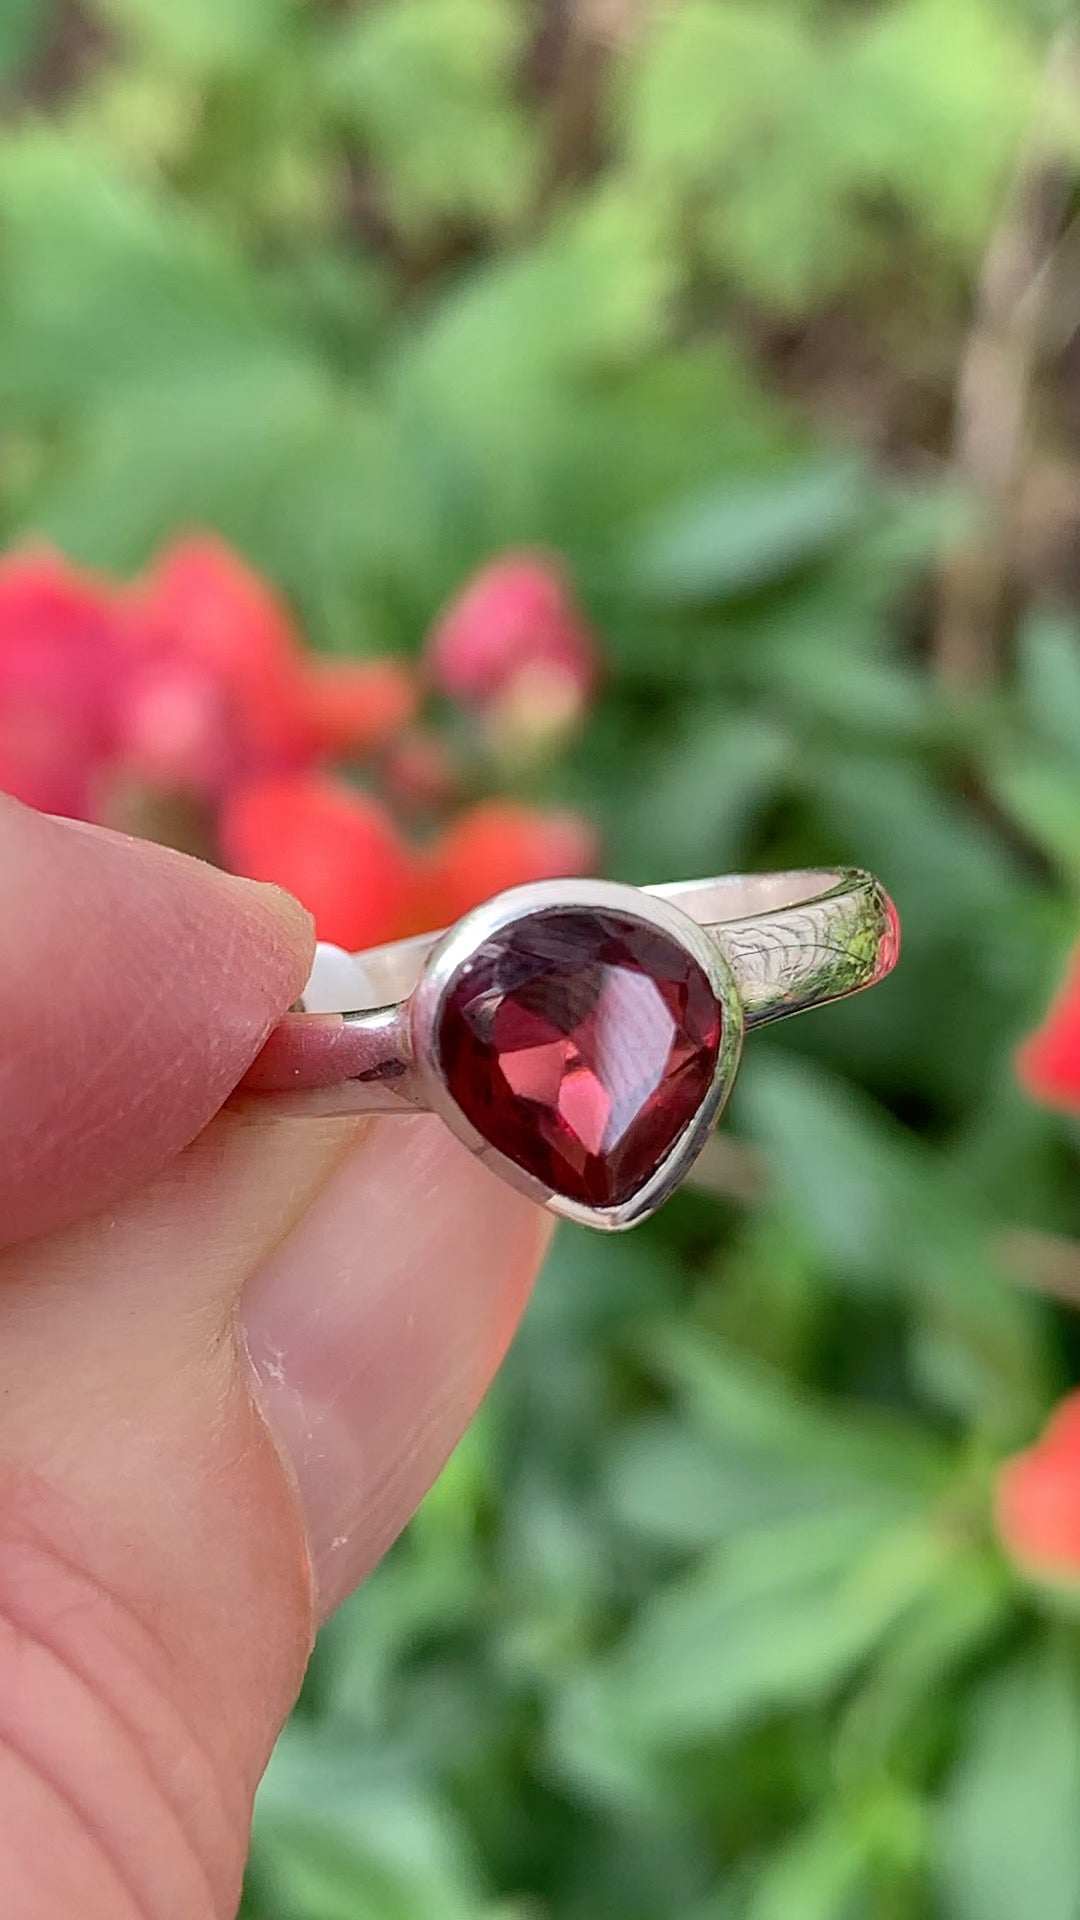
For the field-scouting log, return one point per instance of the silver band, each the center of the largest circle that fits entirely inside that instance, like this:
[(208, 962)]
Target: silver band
[(791, 941)]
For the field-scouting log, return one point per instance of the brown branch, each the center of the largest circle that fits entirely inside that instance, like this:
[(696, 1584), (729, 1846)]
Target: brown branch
[(996, 374), (730, 1170), (592, 33), (1046, 1263)]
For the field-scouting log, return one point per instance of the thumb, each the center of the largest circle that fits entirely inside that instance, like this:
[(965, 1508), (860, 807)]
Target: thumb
[(172, 1516)]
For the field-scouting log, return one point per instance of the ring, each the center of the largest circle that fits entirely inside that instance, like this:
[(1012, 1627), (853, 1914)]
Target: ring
[(581, 1037)]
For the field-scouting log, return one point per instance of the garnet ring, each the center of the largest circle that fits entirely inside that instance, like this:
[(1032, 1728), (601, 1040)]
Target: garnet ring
[(579, 1036)]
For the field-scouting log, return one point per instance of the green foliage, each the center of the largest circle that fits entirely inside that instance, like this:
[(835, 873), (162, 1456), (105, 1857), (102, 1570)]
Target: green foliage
[(705, 1620), (794, 135), (203, 35), (22, 28), (427, 88), (747, 537), (1010, 1836)]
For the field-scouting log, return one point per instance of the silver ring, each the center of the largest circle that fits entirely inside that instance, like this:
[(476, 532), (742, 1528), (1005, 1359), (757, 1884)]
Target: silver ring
[(581, 1037)]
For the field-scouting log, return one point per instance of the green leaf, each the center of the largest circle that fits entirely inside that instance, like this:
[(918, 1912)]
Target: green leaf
[(1009, 1828), (888, 1216), (589, 292), (24, 25), (695, 812), (105, 288), (727, 543), (820, 1874), (340, 1835), (779, 1619), (1041, 793), (706, 80), (673, 1485), (429, 86), (204, 34), (753, 1410), (1048, 664), (939, 94), (926, 1659), (364, 1648)]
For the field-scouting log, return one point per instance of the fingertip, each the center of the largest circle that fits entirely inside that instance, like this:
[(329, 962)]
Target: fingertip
[(136, 985), (279, 931)]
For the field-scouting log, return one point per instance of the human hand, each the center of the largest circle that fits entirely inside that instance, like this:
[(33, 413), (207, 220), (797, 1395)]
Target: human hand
[(234, 1352)]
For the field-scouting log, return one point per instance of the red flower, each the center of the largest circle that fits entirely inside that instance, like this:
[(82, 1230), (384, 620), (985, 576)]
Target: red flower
[(498, 844), (212, 638), (516, 617), (1048, 1063), (1038, 1500), (220, 688), (357, 706), (418, 771), (60, 676), (335, 848)]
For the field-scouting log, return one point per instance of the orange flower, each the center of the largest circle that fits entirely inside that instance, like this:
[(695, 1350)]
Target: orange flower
[(357, 706), (498, 844), (335, 848), (1038, 1500), (1048, 1062)]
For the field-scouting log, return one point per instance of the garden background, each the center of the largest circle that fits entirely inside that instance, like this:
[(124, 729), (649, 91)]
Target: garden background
[(760, 320)]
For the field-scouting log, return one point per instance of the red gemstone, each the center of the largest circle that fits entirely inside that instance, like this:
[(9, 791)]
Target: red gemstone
[(581, 1044)]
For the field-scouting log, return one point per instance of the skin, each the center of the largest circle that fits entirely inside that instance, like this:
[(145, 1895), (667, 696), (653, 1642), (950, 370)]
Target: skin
[(235, 1351)]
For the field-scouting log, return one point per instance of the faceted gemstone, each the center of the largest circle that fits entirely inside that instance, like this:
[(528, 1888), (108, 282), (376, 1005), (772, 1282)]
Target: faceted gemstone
[(581, 1044)]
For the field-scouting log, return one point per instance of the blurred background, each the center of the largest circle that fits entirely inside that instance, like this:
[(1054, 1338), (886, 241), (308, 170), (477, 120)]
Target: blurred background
[(481, 438)]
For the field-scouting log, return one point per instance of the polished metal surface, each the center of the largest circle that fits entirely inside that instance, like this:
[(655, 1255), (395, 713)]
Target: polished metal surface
[(771, 944)]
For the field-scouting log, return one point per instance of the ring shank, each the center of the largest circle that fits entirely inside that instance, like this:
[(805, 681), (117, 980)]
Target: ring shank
[(792, 941)]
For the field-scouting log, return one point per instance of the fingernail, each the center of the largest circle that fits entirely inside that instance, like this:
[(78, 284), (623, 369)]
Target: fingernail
[(375, 1328)]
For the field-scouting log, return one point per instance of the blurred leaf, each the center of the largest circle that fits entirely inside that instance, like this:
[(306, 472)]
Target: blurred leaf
[(204, 33), (361, 1651), (816, 1876), (752, 1409), (926, 1658), (24, 25), (937, 857), (590, 291), (1042, 794), (103, 288), (1009, 1834), (695, 813), (705, 78), (886, 1213), (779, 1618), (730, 542), (940, 92), (787, 130), (429, 87), (1048, 661), (627, 442), (834, 683), (670, 1484), (342, 1836)]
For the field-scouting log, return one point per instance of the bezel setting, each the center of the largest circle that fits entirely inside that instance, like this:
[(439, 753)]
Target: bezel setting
[(443, 968)]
